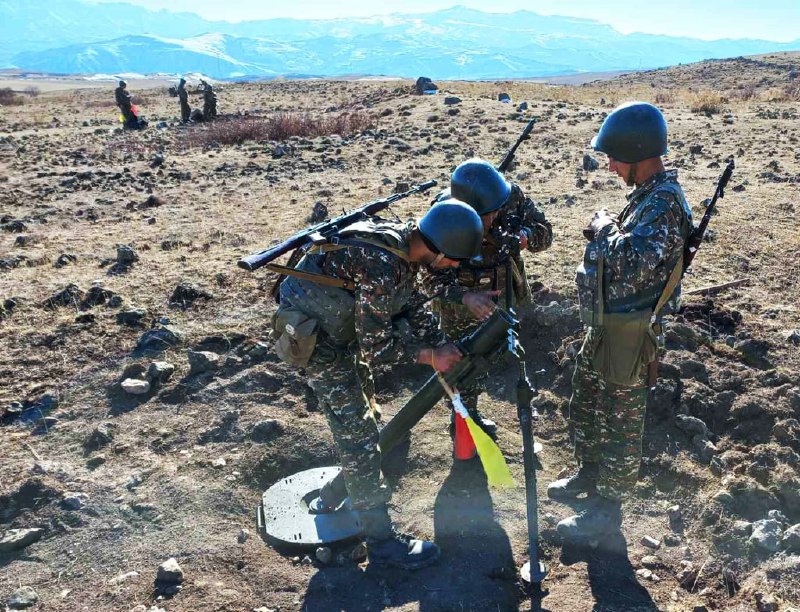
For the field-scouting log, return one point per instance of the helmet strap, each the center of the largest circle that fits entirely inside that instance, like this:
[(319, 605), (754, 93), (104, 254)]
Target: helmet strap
[(632, 175), (439, 257)]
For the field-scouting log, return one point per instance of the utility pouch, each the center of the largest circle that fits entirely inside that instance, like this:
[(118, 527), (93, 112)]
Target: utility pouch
[(620, 349), (295, 335)]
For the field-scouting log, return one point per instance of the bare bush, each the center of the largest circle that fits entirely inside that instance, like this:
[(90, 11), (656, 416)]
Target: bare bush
[(280, 126), (664, 97), (31, 91), (9, 98), (744, 93), (708, 103)]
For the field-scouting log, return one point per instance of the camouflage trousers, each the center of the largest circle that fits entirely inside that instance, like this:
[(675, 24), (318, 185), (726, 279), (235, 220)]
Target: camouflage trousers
[(339, 388), (607, 421)]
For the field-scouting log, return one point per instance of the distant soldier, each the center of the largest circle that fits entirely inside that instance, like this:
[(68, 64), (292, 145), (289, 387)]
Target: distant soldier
[(183, 98), (466, 296), (629, 278), (209, 101), (374, 318), (123, 99)]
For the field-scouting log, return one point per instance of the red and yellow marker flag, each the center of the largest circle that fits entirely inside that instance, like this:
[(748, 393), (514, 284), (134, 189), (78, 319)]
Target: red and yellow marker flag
[(494, 464)]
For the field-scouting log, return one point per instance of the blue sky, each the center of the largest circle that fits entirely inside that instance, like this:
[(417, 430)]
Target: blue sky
[(777, 20)]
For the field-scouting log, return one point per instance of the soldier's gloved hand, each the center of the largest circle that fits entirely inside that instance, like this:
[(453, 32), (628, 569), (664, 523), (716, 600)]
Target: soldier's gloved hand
[(479, 303), (523, 240)]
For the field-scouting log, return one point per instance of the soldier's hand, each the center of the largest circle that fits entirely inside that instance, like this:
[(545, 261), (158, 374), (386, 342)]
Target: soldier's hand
[(479, 303), (523, 240), (600, 219), (445, 357)]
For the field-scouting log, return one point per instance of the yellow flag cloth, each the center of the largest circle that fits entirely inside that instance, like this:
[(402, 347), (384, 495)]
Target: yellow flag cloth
[(494, 464)]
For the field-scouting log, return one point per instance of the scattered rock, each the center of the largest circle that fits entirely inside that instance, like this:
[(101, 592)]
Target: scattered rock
[(766, 535), (159, 339), (691, 426), (185, 295), (126, 256), (790, 542), (74, 501), (99, 437), (17, 539), (651, 561), (425, 86), (202, 361), (451, 100), (319, 213), (504, 97), (64, 259), (22, 598), (169, 572), (324, 555), (649, 542), (554, 313), (71, 296), (132, 318), (244, 535), (134, 386), (523, 106), (266, 430), (590, 164), (766, 603), (160, 372), (792, 337)]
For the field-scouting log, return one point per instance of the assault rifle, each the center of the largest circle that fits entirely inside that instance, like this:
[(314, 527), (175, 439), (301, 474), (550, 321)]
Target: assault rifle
[(696, 237), (318, 234), (322, 232), (526, 134)]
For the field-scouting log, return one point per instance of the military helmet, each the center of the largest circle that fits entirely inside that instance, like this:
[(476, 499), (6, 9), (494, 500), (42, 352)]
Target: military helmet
[(632, 132), (122, 83), (453, 229), (479, 184)]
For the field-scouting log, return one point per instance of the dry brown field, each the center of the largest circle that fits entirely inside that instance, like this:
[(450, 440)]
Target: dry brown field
[(119, 483)]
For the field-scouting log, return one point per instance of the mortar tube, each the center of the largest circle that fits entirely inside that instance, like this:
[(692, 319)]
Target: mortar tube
[(486, 339)]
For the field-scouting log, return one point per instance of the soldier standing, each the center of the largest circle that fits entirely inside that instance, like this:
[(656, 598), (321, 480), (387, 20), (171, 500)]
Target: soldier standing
[(369, 320), (629, 278), (466, 297), (123, 100), (183, 98), (209, 101)]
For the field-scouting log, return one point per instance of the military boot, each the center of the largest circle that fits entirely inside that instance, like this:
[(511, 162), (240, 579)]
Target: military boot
[(331, 497), (584, 481), (388, 548), (602, 518)]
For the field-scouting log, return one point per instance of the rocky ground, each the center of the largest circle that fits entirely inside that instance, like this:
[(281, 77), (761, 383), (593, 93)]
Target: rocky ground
[(143, 412)]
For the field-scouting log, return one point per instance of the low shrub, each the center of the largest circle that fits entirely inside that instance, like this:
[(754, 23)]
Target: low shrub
[(280, 126), (708, 103), (9, 98)]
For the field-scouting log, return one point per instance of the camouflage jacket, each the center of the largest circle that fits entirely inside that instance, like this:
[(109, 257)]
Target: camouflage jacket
[(183, 95), (385, 291), (640, 250), (122, 98), (520, 213)]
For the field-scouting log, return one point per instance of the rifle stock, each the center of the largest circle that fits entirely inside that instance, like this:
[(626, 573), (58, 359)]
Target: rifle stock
[(322, 231), (696, 238), (526, 133)]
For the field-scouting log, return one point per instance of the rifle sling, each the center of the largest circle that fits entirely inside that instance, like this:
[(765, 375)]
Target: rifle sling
[(332, 281), (322, 279)]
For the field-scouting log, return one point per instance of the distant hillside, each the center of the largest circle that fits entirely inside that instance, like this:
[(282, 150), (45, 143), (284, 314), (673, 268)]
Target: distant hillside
[(742, 76), (69, 36)]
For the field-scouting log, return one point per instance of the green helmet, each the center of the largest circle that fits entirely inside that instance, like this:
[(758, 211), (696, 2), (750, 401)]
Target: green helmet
[(453, 229), (632, 132), (479, 184), (122, 83)]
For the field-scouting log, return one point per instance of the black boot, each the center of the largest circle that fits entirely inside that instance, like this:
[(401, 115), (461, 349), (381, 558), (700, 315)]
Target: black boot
[(603, 518), (387, 548), (331, 496), (584, 481)]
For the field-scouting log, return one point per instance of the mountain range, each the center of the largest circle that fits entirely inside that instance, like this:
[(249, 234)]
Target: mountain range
[(72, 36)]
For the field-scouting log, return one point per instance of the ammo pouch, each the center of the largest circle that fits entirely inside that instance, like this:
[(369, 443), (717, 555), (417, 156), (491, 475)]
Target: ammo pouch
[(622, 346), (295, 335)]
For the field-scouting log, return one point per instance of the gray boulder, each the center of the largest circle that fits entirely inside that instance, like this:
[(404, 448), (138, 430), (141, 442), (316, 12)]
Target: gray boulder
[(766, 535), (22, 598), (17, 539)]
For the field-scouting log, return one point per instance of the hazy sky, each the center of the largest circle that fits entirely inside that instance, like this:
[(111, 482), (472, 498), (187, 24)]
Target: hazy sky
[(767, 19)]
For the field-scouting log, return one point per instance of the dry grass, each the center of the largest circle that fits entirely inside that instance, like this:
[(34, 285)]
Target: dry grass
[(9, 98), (707, 103), (281, 126)]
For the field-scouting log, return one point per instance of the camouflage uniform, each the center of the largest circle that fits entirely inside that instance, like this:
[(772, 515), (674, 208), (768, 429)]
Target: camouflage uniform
[(209, 102), (123, 100), (456, 320), (339, 375), (183, 98), (639, 253)]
